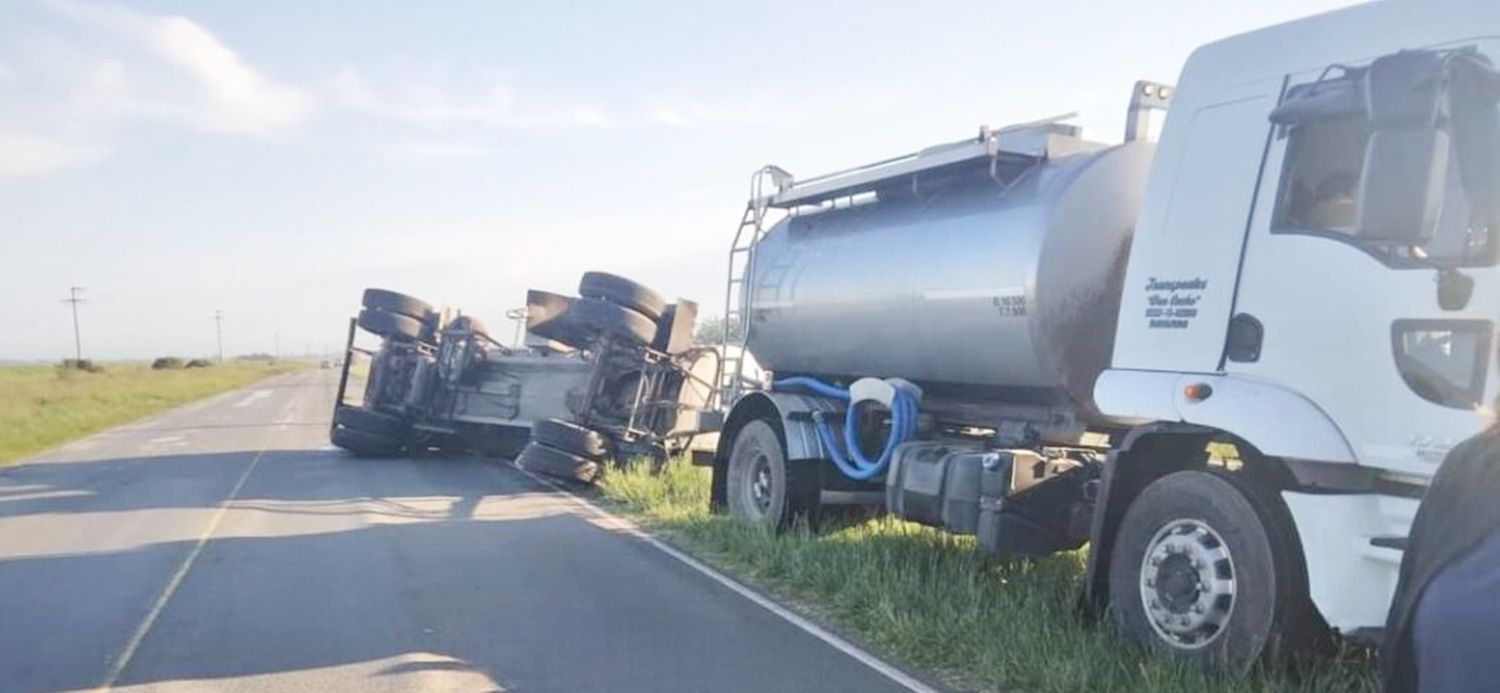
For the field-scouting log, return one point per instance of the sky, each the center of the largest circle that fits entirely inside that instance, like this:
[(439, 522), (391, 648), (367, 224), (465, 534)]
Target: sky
[(269, 160)]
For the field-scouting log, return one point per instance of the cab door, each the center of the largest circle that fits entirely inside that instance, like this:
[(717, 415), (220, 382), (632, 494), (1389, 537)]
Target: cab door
[(1354, 327)]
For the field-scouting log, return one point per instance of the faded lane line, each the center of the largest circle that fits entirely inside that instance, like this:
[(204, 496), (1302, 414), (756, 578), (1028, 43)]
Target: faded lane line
[(854, 651), (144, 629), (251, 398)]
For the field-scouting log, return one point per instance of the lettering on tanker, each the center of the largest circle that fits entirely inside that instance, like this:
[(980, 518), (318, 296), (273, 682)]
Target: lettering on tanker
[(1172, 304)]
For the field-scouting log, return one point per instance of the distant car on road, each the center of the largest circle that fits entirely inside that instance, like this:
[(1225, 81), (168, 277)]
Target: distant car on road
[(325, 364)]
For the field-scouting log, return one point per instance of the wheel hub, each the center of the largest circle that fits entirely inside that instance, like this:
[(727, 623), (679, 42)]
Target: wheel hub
[(1187, 584), (760, 483)]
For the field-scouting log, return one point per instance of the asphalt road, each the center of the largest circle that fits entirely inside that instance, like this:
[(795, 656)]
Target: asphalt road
[(226, 545)]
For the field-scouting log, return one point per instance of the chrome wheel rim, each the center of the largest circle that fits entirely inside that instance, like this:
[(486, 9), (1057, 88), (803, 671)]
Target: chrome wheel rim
[(760, 483), (1188, 584)]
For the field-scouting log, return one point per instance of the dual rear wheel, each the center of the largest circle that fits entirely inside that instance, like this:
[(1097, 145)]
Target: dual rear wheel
[(609, 306), (564, 450), (367, 433), (396, 316)]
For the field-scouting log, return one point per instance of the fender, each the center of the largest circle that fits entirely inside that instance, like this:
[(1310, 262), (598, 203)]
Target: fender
[(792, 413), (1278, 421)]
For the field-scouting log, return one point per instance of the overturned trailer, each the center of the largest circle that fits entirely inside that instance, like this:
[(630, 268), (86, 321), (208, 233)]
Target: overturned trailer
[(1229, 363), (610, 374)]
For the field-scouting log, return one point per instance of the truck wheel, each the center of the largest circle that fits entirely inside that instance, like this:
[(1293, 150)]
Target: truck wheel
[(1206, 570), (391, 325), (570, 437), (622, 292), (362, 419), (558, 464), (607, 318), (400, 304), (763, 488), (366, 433), (363, 444)]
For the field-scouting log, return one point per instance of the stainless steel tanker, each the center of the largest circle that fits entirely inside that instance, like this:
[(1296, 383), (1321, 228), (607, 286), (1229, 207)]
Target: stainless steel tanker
[(1003, 276)]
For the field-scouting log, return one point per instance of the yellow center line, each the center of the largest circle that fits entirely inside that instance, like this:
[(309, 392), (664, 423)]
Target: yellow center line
[(142, 630)]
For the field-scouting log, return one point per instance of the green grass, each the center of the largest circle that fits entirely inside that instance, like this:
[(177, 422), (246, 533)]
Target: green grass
[(42, 406), (927, 600)]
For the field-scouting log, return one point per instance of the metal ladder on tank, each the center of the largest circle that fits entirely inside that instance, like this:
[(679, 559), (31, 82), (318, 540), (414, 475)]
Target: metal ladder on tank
[(729, 381)]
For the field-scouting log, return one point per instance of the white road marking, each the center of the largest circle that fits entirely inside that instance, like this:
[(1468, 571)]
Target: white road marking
[(251, 398), (163, 440), (859, 654), (142, 630)]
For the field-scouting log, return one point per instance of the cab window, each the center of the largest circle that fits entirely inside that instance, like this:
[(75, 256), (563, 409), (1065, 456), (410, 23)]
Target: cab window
[(1444, 361), (1328, 139)]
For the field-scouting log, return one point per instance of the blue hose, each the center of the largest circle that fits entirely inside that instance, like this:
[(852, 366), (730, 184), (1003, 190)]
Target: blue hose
[(855, 465)]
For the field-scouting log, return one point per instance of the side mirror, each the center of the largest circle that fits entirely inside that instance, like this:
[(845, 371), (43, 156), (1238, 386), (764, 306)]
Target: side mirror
[(1402, 190), (1406, 157)]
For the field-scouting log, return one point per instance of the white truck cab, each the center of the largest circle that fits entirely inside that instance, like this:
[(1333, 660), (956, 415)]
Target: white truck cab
[(1249, 274)]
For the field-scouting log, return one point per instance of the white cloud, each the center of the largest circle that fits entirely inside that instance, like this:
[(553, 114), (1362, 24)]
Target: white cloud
[(238, 99), (439, 151), (74, 86), (195, 77), (26, 155), (751, 110), (447, 99)]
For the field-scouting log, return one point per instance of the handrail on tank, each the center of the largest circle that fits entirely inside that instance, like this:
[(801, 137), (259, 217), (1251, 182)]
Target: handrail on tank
[(1029, 140)]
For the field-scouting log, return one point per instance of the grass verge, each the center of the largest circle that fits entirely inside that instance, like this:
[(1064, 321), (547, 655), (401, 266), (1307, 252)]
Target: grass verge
[(927, 600), (42, 406)]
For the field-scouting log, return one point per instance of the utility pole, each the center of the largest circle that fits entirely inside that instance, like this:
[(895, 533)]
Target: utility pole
[(219, 329), (276, 349), (74, 299)]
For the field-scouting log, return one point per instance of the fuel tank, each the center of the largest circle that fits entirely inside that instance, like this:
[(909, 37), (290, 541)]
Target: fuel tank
[(1012, 287)]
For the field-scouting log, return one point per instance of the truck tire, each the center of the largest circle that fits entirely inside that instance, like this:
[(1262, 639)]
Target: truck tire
[(363, 444), (366, 433), (622, 292), (762, 487), (400, 304), (1207, 569), (603, 317), (361, 419), (563, 329), (558, 464), (391, 325), (570, 437)]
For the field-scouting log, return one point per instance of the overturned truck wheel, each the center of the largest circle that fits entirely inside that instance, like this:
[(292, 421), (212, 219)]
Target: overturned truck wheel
[(622, 292), (558, 464), (390, 325), (400, 304), (366, 433), (570, 437), (605, 318)]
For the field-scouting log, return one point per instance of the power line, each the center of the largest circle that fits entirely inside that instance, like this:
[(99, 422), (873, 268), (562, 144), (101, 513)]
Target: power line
[(74, 299)]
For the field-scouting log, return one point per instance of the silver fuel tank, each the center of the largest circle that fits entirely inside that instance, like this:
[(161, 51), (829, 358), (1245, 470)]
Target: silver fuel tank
[(1013, 289)]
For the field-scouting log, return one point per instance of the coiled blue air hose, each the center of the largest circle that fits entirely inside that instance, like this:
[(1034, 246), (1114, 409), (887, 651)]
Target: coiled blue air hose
[(855, 465)]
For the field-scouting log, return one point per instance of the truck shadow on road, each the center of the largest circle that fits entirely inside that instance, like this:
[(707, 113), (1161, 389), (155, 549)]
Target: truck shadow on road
[(328, 572)]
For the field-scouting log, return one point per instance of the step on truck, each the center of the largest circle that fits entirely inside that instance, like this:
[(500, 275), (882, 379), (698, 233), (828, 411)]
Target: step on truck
[(610, 374), (1227, 361)]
